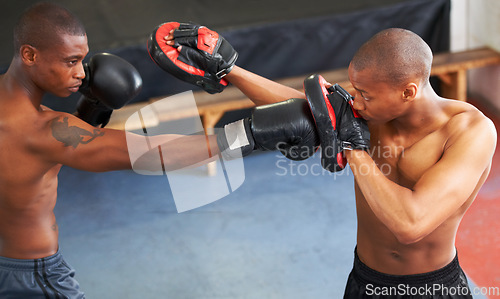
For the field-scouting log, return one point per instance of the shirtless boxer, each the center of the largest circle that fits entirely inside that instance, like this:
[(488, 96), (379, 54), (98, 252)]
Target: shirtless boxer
[(50, 44), (429, 157), (435, 155)]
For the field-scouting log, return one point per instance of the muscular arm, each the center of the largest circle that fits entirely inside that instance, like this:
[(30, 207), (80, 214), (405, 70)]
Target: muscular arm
[(259, 89), (67, 140), (412, 214), (170, 152)]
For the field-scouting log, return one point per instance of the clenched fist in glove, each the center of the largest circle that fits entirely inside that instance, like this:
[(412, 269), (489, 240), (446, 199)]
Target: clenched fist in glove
[(110, 82), (204, 58), (286, 126)]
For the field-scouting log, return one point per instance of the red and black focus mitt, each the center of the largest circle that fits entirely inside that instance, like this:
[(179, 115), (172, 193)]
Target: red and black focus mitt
[(339, 126), (204, 58)]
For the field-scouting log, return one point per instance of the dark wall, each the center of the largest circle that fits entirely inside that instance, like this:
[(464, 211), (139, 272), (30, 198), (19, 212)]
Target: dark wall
[(275, 39), (118, 23)]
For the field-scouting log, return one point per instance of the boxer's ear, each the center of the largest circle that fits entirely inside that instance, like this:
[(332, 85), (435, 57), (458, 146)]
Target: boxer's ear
[(410, 92), (28, 54)]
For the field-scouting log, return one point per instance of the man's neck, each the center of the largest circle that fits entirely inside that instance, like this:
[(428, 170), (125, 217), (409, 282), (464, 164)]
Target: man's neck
[(425, 112), (17, 82)]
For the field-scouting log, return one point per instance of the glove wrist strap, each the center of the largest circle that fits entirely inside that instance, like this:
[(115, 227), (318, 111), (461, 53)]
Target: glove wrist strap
[(222, 73), (346, 145)]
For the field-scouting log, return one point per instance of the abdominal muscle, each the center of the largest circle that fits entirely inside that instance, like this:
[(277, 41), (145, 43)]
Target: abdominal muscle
[(28, 227), (379, 249)]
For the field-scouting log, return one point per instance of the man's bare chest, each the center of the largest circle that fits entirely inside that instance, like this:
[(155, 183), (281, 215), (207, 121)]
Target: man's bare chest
[(405, 160)]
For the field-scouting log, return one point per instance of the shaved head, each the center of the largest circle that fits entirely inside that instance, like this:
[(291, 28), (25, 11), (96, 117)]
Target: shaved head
[(42, 25), (398, 56)]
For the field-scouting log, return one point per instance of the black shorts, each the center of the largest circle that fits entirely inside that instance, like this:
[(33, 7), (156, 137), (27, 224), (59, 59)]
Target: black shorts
[(447, 282), (49, 277)]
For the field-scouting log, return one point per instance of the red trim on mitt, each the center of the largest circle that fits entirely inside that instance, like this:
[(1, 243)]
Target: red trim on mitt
[(172, 52), (329, 107)]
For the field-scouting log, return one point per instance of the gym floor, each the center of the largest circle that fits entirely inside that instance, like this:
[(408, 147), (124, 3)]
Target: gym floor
[(288, 232)]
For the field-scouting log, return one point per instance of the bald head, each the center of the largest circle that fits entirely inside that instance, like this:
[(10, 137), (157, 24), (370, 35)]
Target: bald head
[(42, 25), (399, 56)]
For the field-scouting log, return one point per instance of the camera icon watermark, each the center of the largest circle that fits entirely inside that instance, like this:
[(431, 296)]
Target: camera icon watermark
[(167, 138)]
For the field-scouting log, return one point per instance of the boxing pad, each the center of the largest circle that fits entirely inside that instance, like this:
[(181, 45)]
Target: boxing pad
[(205, 56), (339, 126)]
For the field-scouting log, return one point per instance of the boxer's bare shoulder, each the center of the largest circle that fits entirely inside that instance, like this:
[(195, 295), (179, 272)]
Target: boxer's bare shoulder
[(464, 118)]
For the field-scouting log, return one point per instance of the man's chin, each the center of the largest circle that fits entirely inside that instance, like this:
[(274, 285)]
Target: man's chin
[(63, 93)]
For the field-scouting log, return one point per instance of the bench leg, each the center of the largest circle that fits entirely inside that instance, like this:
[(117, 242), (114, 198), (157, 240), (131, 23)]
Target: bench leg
[(209, 120), (454, 85)]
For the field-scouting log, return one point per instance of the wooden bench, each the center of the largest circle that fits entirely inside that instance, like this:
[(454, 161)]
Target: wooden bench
[(451, 68)]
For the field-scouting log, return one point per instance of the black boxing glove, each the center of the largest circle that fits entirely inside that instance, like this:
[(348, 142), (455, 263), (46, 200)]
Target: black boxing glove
[(339, 126), (352, 129), (204, 59), (286, 126), (110, 82)]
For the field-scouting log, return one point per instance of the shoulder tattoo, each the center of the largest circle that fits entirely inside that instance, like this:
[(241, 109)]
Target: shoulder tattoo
[(72, 135)]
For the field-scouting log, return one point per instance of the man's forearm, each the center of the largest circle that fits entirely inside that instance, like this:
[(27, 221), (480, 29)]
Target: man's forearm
[(261, 90), (171, 152), (390, 202)]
